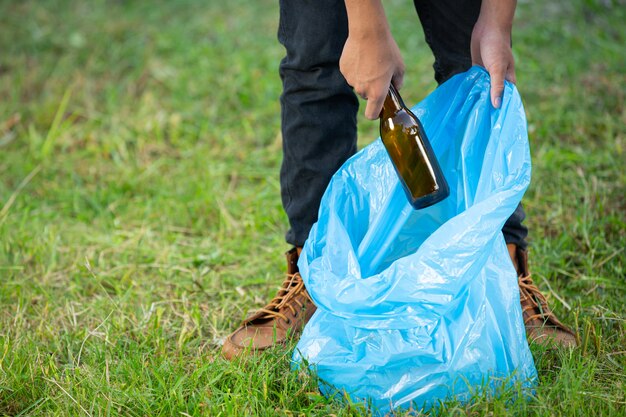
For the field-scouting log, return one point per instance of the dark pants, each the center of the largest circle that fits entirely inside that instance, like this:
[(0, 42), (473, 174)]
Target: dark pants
[(319, 108)]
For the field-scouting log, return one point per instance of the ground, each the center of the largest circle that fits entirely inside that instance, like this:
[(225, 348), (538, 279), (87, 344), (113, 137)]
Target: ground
[(140, 215)]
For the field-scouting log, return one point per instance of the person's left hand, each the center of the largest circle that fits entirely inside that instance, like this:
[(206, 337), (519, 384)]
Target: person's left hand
[(491, 49)]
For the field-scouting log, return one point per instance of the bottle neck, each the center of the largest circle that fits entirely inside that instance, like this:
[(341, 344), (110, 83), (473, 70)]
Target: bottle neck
[(393, 102)]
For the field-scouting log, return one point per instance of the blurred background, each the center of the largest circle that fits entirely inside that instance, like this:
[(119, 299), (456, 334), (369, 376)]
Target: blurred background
[(140, 214)]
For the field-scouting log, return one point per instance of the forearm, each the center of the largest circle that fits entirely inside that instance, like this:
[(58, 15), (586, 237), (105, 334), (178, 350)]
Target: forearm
[(491, 44), (370, 59), (498, 14), (366, 17)]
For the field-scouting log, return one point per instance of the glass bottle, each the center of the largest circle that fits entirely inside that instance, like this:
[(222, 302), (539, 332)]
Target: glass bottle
[(411, 153)]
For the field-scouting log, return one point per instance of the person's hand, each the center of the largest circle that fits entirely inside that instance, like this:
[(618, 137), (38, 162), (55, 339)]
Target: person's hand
[(491, 47), (370, 61)]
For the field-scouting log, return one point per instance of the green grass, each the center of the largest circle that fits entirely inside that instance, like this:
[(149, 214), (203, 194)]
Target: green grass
[(140, 215)]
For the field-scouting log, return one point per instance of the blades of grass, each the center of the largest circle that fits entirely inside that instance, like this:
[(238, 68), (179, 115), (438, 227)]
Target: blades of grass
[(20, 187), (55, 128)]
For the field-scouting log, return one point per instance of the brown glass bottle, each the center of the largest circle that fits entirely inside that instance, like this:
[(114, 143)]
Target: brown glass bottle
[(411, 153)]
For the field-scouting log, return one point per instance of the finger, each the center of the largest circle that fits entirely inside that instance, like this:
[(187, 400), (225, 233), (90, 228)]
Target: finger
[(359, 89), (374, 106), (510, 74), (398, 79), (497, 86)]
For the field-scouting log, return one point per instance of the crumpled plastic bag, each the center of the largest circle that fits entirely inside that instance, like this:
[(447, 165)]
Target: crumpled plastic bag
[(420, 306)]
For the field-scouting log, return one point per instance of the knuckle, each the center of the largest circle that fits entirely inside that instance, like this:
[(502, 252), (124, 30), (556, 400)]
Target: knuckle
[(360, 91)]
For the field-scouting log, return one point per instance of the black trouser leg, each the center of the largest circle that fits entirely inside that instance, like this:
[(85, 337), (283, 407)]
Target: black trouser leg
[(448, 26), (318, 107)]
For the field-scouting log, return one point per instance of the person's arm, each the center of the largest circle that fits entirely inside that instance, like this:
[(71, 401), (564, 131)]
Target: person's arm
[(371, 59), (491, 44)]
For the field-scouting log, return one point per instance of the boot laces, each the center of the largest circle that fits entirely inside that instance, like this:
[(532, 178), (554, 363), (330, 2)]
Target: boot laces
[(534, 302), (285, 298)]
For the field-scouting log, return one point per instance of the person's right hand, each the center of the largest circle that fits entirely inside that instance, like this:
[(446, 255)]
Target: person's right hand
[(370, 61)]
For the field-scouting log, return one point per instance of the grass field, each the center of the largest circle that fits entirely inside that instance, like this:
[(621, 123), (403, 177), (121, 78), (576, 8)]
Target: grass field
[(140, 215)]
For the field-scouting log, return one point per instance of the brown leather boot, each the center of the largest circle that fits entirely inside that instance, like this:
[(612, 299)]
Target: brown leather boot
[(541, 324), (283, 318)]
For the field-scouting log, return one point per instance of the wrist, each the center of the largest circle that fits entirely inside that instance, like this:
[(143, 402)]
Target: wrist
[(366, 19)]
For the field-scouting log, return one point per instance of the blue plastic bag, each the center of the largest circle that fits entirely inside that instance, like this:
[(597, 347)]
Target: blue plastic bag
[(420, 306)]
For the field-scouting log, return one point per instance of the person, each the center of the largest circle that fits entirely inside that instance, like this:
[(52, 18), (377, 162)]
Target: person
[(334, 49)]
